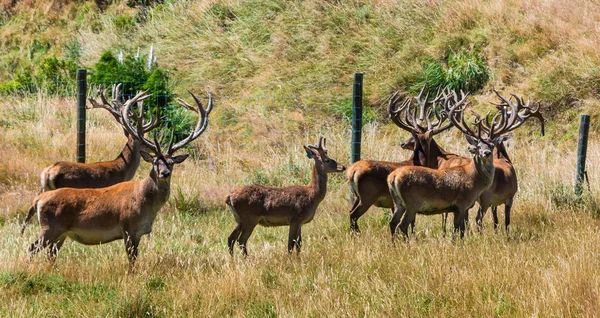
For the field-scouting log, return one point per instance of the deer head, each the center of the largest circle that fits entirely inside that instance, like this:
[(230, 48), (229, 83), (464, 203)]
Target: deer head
[(163, 162), (322, 161)]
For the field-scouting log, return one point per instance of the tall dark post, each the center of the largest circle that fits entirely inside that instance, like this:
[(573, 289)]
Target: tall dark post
[(584, 128), (357, 115), (81, 96)]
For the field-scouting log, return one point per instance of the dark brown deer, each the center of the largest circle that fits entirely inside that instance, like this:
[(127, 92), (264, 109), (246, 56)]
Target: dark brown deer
[(505, 185), (123, 211), (368, 178), (281, 206), (100, 174), (432, 191)]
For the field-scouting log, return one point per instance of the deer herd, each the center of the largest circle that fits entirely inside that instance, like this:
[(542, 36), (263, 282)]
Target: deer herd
[(97, 203)]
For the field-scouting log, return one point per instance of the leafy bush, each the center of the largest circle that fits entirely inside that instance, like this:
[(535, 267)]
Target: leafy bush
[(462, 71), (135, 76)]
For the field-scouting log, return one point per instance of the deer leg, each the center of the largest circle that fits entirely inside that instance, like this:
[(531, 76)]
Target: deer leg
[(409, 217), (444, 221), (46, 238), (358, 209), (294, 237), (398, 212), (459, 223), (243, 238), (233, 237), (507, 207), (54, 248), (495, 216), (479, 217), (131, 247), (299, 241)]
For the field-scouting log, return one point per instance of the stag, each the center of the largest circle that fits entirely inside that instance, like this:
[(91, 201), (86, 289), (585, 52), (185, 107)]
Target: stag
[(100, 174), (504, 187), (123, 211), (368, 178), (281, 206), (432, 191)]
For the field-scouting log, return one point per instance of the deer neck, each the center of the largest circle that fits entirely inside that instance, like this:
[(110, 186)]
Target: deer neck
[(129, 158), (500, 152), (318, 183), (484, 168), (434, 154), (156, 189)]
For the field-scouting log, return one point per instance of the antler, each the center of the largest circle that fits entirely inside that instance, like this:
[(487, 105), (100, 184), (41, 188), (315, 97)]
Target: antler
[(320, 147), (139, 132), (454, 109), (200, 126), (116, 107), (519, 112), (404, 116)]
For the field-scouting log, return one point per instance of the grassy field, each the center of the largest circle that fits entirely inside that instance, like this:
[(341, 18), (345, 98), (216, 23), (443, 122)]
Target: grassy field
[(282, 72), (546, 267)]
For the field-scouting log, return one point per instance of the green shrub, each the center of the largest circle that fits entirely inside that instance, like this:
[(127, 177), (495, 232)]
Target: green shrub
[(462, 71), (135, 76)]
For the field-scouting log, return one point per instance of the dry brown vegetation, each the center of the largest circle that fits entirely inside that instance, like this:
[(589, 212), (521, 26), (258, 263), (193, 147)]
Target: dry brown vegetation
[(547, 267), (278, 68)]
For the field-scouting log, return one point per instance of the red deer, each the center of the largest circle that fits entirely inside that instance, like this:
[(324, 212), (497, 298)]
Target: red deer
[(432, 191), (123, 211), (100, 174), (504, 187), (281, 206), (368, 178)]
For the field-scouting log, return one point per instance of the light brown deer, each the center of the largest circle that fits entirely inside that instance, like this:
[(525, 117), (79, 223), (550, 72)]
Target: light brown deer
[(281, 206), (505, 186), (123, 211), (100, 174), (432, 191), (368, 178)]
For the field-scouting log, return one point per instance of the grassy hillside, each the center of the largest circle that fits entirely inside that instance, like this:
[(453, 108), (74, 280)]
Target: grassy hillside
[(282, 72)]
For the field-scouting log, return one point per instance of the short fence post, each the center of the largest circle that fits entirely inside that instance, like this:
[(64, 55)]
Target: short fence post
[(357, 115), (584, 128), (81, 99)]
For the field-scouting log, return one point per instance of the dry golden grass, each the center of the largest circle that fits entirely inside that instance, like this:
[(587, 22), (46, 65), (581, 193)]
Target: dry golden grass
[(547, 267)]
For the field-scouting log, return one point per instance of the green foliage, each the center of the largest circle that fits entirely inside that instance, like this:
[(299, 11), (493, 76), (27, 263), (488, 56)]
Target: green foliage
[(343, 110), (192, 205), (124, 23), (53, 75), (134, 76), (462, 71)]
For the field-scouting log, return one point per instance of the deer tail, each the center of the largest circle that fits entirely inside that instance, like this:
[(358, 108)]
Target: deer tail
[(32, 211)]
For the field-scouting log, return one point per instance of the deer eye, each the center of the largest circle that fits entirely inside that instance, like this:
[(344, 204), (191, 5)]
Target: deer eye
[(326, 160)]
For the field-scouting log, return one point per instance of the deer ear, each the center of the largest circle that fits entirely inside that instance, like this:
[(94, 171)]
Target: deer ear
[(147, 157), (180, 158), (501, 139), (472, 149), (309, 152), (472, 141)]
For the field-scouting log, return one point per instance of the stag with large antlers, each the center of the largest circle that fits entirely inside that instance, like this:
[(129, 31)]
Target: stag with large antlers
[(504, 187), (123, 211), (100, 174), (368, 178), (281, 206), (432, 191)]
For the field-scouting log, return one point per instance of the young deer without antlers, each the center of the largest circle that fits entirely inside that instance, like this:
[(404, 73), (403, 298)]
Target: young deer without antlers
[(504, 187), (368, 178), (100, 174), (123, 211), (430, 191), (279, 206)]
